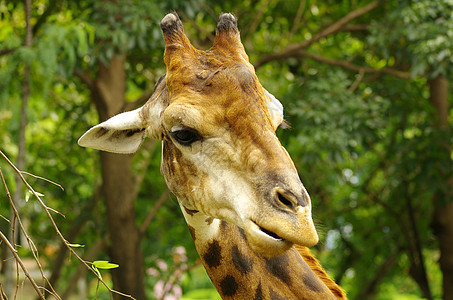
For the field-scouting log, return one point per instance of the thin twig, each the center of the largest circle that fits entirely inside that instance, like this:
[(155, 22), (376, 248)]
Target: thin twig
[(91, 254), (42, 178), (20, 262), (71, 234), (6, 219), (57, 230), (357, 81), (30, 242), (153, 212), (299, 13), (2, 293), (144, 164), (263, 6)]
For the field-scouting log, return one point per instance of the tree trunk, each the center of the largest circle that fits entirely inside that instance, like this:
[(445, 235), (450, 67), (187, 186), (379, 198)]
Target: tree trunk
[(15, 234), (108, 93), (124, 235), (443, 206)]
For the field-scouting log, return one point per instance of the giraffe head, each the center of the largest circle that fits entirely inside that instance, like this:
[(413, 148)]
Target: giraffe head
[(221, 155)]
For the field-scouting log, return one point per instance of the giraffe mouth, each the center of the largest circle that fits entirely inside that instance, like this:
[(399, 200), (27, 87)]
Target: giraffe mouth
[(269, 233), (265, 241)]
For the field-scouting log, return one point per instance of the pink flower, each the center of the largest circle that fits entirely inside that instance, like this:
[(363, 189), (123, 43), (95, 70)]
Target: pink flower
[(162, 265), (180, 250), (177, 291), (179, 254), (153, 272), (159, 289)]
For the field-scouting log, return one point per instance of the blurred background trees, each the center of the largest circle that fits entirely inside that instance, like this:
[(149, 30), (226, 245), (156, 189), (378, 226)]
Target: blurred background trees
[(365, 89)]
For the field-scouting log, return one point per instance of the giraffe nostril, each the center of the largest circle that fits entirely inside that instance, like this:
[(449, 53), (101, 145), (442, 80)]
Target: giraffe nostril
[(285, 201)]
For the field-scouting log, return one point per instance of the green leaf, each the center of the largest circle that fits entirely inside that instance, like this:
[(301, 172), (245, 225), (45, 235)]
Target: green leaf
[(104, 264), (76, 245), (29, 193)]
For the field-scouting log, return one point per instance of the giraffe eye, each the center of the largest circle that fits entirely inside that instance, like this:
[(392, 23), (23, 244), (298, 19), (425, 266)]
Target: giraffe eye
[(186, 137)]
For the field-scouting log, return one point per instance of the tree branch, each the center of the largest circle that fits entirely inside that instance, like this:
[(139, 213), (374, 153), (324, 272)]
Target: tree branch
[(50, 8), (357, 81), (298, 17), (85, 77), (337, 26), (139, 101), (7, 51), (418, 269), (353, 67), (383, 269), (356, 27), (154, 211), (147, 146)]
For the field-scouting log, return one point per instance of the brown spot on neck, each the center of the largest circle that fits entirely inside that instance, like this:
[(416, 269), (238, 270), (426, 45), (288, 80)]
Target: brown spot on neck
[(229, 286), (278, 266), (242, 262), (213, 255), (312, 282)]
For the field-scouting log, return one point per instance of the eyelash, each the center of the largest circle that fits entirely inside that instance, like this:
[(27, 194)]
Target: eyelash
[(186, 136)]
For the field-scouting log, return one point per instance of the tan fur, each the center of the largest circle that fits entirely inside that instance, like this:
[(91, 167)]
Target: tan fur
[(316, 267)]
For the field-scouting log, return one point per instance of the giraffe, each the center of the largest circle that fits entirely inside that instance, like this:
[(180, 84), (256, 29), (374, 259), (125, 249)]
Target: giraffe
[(239, 191)]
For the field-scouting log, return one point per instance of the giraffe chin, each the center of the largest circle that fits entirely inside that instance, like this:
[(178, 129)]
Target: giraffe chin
[(264, 241)]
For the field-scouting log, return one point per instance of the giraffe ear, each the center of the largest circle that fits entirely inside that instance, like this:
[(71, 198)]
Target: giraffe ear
[(125, 132), (275, 109), (122, 133)]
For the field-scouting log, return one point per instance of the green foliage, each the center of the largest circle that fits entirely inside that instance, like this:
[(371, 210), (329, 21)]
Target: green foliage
[(331, 119), (365, 144), (421, 32), (133, 29)]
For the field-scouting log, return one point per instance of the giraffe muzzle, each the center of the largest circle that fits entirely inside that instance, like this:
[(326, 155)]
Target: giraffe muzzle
[(273, 234)]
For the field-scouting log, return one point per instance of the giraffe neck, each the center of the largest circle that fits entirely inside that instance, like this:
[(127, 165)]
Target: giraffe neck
[(238, 272)]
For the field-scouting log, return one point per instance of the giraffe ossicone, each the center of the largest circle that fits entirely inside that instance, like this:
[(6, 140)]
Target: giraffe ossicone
[(221, 156)]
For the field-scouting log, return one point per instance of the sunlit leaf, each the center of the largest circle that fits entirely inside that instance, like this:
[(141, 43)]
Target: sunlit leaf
[(76, 245), (104, 264)]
